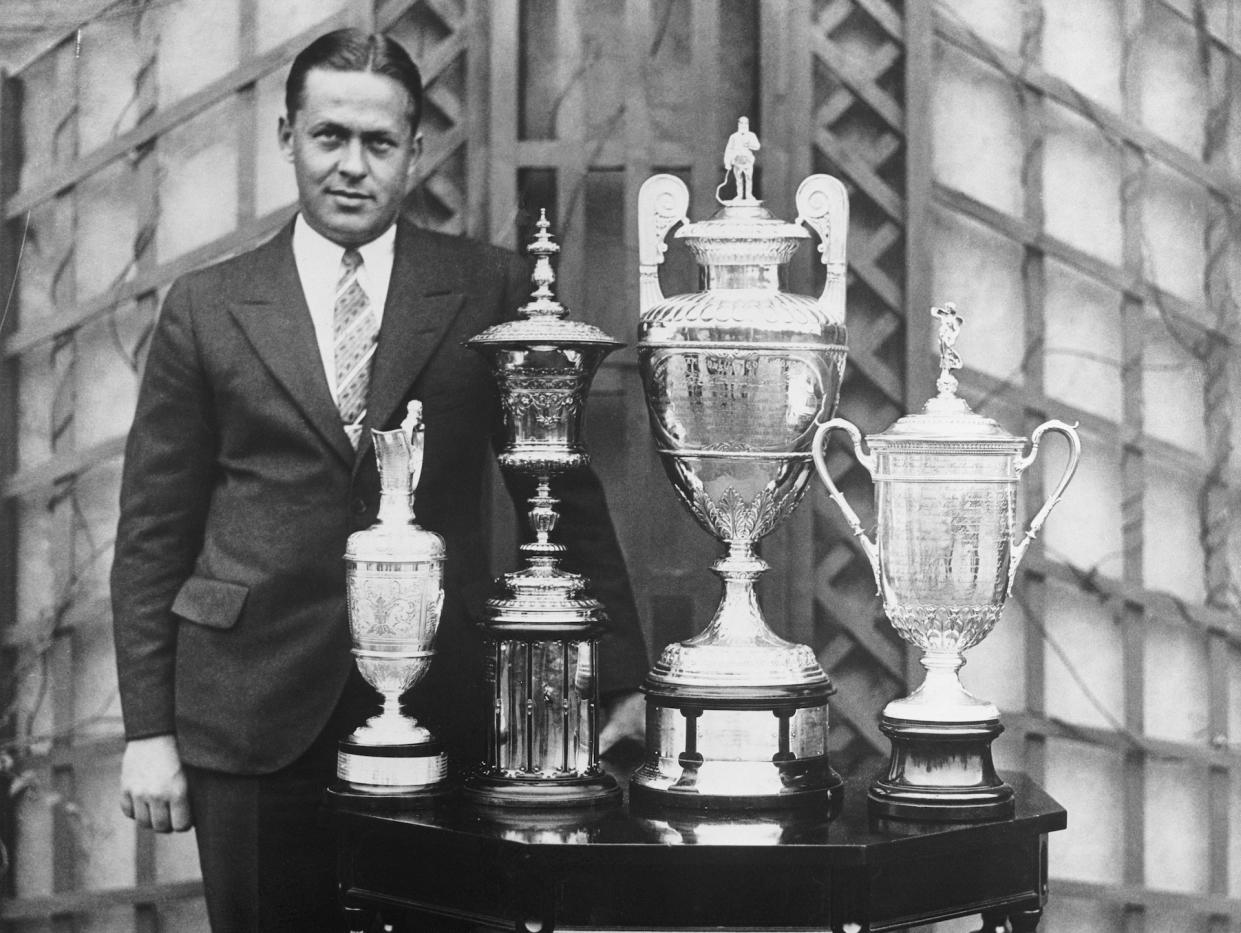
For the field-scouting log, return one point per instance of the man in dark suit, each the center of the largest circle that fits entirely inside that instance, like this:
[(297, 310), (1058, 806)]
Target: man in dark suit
[(248, 465)]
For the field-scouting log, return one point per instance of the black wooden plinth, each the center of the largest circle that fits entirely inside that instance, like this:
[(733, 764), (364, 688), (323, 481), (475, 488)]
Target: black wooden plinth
[(459, 867), (941, 772)]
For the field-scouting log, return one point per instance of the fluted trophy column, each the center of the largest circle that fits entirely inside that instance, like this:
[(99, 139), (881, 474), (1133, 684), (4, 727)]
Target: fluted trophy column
[(542, 630), (946, 556), (394, 588), (736, 378)]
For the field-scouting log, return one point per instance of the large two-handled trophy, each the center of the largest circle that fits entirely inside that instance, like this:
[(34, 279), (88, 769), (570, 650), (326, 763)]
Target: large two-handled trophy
[(542, 631), (394, 586), (737, 377), (947, 551)]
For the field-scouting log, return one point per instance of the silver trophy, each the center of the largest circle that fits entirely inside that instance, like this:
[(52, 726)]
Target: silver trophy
[(542, 631), (736, 378), (394, 586), (947, 551)]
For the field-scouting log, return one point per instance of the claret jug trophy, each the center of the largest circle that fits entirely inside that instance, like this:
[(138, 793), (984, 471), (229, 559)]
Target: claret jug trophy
[(736, 378), (542, 630), (394, 586), (945, 559)]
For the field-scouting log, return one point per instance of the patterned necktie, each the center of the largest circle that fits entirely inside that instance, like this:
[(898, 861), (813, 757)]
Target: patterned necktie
[(354, 333)]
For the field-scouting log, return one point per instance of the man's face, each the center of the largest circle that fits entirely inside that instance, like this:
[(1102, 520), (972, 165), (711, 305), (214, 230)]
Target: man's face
[(353, 153)]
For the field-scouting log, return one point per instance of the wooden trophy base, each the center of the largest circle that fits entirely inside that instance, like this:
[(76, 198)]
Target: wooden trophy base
[(390, 777), (941, 772)]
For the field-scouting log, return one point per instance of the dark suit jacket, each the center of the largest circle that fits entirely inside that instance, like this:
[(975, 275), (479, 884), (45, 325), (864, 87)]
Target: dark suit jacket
[(240, 489)]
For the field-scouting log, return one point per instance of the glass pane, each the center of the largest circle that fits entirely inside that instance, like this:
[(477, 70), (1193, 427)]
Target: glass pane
[(539, 66), (278, 20), (1082, 43), (1176, 701), (976, 127), (1084, 673), (199, 42), (1083, 343), (48, 104), (1172, 93), (1172, 557), (1177, 840), (1084, 779), (114, 54), (1173, 388), (198, 156), (1081, 185), (108, 236)]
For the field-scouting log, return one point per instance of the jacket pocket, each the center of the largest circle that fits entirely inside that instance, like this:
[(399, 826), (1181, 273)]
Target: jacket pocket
[(213, 603)]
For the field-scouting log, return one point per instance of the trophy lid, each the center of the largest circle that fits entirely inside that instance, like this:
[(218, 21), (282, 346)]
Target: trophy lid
[(742, 231), (946, 418), (542, 319)]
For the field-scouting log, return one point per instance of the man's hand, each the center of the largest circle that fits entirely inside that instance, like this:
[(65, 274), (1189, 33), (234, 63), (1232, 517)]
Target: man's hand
[(153, 791), (624, 717)]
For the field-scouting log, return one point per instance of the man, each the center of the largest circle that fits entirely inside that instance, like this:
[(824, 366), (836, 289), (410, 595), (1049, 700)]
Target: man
[(250, 462)]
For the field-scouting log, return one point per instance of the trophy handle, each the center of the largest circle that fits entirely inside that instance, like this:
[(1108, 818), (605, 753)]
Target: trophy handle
[(1075, 451), (823, 205), (819, 449), (663, 202)]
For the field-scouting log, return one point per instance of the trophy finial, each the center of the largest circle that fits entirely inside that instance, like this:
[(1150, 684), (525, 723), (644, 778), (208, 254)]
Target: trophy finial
[(949, 328), (543, 303), (739, 159)]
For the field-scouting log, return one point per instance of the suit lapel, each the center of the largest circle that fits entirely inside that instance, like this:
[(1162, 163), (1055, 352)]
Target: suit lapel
[(424, 298), (271, 310)]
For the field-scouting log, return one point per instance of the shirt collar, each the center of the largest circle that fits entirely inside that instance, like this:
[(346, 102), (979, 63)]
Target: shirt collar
[(309, 242)]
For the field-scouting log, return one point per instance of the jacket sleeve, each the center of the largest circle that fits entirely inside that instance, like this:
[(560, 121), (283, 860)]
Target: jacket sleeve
[(165, 494), (585, 528)]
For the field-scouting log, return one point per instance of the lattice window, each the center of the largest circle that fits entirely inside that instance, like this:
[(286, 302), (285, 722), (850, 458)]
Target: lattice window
[(1083, 200), (858, 66), (123, 128)]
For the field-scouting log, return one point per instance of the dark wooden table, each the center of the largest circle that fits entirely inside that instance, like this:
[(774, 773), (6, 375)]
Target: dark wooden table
[(455, 867)]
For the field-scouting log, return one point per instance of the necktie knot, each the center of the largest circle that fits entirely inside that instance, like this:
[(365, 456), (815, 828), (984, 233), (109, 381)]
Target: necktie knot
[(350, 261)]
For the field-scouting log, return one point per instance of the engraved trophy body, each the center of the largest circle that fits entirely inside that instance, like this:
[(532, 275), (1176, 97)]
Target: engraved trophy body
[(945, 559), (736, 379), (394, 586), (542, 631)]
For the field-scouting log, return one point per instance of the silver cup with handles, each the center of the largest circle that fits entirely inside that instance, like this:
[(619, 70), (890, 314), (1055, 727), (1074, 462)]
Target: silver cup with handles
[(945, 556)]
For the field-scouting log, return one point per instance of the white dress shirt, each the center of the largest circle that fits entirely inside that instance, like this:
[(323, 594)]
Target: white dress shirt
[(318, 266)]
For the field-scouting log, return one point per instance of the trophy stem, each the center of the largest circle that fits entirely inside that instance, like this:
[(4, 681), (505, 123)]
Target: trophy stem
[(739, 619), (541, 552), (941, 698)]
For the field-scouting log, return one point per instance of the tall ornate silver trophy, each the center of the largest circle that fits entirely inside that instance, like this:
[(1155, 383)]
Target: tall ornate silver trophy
[(542, 631), (946, 557), (736, 378), (394, 585)]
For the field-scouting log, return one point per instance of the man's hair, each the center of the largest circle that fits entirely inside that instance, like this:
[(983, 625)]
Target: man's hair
[(355, 50)]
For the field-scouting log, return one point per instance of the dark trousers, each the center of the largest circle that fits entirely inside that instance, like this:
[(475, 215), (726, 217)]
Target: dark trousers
[(266, 847)]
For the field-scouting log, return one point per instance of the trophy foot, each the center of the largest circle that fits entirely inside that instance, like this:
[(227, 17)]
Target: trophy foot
[(941, 772), (501, 790), (745, 749), (405, 774), (827, 797)]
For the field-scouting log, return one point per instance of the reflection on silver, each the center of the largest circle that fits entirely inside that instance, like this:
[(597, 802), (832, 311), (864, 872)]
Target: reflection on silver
[(736, 378), (394, 590), (542, 630)]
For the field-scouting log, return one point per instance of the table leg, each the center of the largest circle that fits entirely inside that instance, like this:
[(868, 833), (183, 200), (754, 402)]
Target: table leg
[(994, 921), (1025, 921), (355, 919)]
